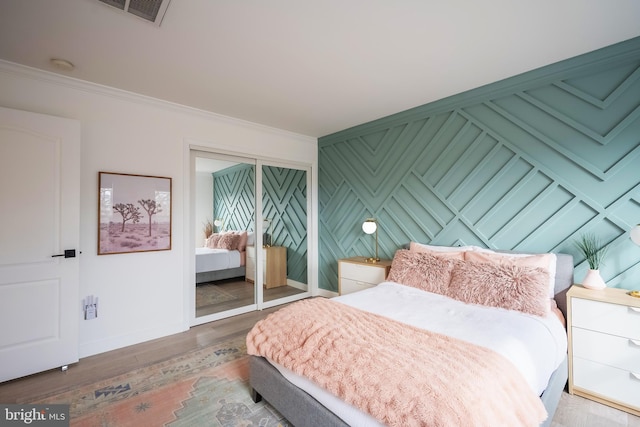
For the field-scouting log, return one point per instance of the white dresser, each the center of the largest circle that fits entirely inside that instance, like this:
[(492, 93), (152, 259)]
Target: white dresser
[(604, 346), (356, 274)]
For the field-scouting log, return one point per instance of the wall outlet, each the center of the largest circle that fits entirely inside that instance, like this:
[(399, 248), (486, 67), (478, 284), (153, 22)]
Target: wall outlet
[(90, 307)]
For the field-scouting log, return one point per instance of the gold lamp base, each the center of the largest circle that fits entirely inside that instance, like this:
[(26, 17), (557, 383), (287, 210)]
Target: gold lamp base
[(372, 260)]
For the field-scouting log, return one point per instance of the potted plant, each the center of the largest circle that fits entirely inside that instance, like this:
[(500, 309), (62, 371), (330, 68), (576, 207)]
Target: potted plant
[(594, 253), (207, 228)]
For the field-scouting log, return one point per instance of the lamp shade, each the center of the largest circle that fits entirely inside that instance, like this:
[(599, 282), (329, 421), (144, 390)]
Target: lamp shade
[(635, 234), (369, 226)]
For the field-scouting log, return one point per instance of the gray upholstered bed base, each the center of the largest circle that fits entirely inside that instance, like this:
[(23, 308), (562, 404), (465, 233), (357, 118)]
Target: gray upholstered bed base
[(229, 273), (302, 410)]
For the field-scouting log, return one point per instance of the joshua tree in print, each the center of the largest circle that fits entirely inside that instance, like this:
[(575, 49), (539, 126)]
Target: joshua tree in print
[(128, 212), (152, 208)]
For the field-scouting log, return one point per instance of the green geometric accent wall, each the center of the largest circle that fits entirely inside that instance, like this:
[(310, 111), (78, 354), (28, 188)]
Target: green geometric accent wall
[(528, 163), (234, 197), (284, 200)]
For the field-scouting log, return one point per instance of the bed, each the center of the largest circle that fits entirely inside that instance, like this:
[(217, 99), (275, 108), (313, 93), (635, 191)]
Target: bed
[(223, 256), (304, 403)]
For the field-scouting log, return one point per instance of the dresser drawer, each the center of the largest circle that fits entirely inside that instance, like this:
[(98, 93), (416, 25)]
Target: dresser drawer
[(348, 286), (606, 317), (611, 350), (611, 383), (362, 273)]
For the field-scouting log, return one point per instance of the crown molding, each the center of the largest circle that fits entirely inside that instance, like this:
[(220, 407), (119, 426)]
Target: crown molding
[(23, 71)]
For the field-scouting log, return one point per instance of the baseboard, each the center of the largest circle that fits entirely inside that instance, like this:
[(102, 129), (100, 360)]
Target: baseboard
[(96, 347)]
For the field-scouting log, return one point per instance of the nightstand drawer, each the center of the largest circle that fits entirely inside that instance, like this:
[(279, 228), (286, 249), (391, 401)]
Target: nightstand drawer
[(605, 317), (616, 384), (611, 350), (348, 286), (362, 273)]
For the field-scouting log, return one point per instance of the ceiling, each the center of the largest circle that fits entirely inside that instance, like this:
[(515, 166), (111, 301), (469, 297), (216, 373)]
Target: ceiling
[(310, 67)]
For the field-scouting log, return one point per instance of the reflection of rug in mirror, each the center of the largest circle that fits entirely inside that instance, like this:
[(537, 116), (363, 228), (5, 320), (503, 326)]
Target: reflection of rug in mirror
[(212, 294)]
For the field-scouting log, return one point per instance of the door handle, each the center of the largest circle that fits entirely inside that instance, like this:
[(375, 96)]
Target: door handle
[(68, 253)]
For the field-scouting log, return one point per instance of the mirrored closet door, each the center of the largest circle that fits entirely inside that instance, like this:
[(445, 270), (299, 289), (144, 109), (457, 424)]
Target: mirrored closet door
[(250, 231), (225, 234), (284, 220)]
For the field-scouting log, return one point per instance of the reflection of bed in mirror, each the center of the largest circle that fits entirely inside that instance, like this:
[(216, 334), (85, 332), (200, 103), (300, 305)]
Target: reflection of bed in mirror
[(223, 256)]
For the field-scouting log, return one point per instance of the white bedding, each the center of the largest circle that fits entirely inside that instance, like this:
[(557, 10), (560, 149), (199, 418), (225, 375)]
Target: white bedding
[(216, 259), (535, 345)]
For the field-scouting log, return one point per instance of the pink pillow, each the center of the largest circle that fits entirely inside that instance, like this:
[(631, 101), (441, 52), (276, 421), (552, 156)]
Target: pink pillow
[(212, 241), (228, 241), (421, 270), (543, 261), (416, 247), (242, 243), (507, 286)]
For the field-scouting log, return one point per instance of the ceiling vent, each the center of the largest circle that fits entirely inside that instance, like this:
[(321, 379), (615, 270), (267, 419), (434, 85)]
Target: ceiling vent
[(150, 10)]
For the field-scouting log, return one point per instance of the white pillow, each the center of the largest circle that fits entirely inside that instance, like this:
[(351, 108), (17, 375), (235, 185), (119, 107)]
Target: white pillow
[(442, 248)]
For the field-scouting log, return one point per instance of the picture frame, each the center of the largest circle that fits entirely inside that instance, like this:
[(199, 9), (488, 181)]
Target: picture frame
[(134, 213)]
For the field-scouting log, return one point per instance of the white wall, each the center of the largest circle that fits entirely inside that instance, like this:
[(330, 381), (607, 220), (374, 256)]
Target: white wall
[(142, 295), (203, 204)]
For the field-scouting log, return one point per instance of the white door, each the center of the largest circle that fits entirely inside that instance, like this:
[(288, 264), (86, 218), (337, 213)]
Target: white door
[(39, 218)]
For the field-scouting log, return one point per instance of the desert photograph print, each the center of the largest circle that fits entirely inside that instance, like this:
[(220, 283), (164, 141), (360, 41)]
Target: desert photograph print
[(134, 213)]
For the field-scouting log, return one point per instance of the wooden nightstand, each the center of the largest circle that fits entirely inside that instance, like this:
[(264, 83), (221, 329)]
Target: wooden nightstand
[(274, 266), (356, 274), (604, 346)]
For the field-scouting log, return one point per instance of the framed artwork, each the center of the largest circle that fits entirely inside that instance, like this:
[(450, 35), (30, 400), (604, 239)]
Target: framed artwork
[(134, 213)]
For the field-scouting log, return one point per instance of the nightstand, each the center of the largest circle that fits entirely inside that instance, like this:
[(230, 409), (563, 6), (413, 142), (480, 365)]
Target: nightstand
[(274, 266), (603, 327), (356, 274)]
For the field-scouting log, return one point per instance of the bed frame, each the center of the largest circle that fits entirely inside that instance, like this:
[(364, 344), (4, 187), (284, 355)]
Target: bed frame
[(302, 410), (229, 273)]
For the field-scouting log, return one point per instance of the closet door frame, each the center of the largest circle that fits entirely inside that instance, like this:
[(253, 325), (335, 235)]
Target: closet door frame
[(191, 151)]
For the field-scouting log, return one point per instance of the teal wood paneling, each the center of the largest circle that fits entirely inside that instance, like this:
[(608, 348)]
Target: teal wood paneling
[(284, 199), (529, 163), (234, 197)]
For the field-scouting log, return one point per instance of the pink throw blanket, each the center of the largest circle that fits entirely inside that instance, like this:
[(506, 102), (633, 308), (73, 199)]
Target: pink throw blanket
[(400, 374)]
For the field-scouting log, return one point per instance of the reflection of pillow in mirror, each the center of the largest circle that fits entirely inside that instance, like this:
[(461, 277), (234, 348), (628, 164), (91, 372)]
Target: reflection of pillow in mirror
[(212, 241), (242, 243), (507, 286), (228, 241)]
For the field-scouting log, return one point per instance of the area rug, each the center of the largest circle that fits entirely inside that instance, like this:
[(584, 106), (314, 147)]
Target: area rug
[(205, 387), (211, 294)]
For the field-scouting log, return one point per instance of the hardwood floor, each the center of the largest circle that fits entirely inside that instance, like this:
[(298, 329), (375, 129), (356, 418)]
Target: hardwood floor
[(240, 293), (116, 362), (573, 411)]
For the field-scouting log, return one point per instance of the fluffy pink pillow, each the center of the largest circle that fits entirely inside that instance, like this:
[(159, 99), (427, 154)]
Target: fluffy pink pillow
[(416, 247), (242, 242), (421, 270), (212, 241), (228, 241), (508, 286), (543, 261)]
